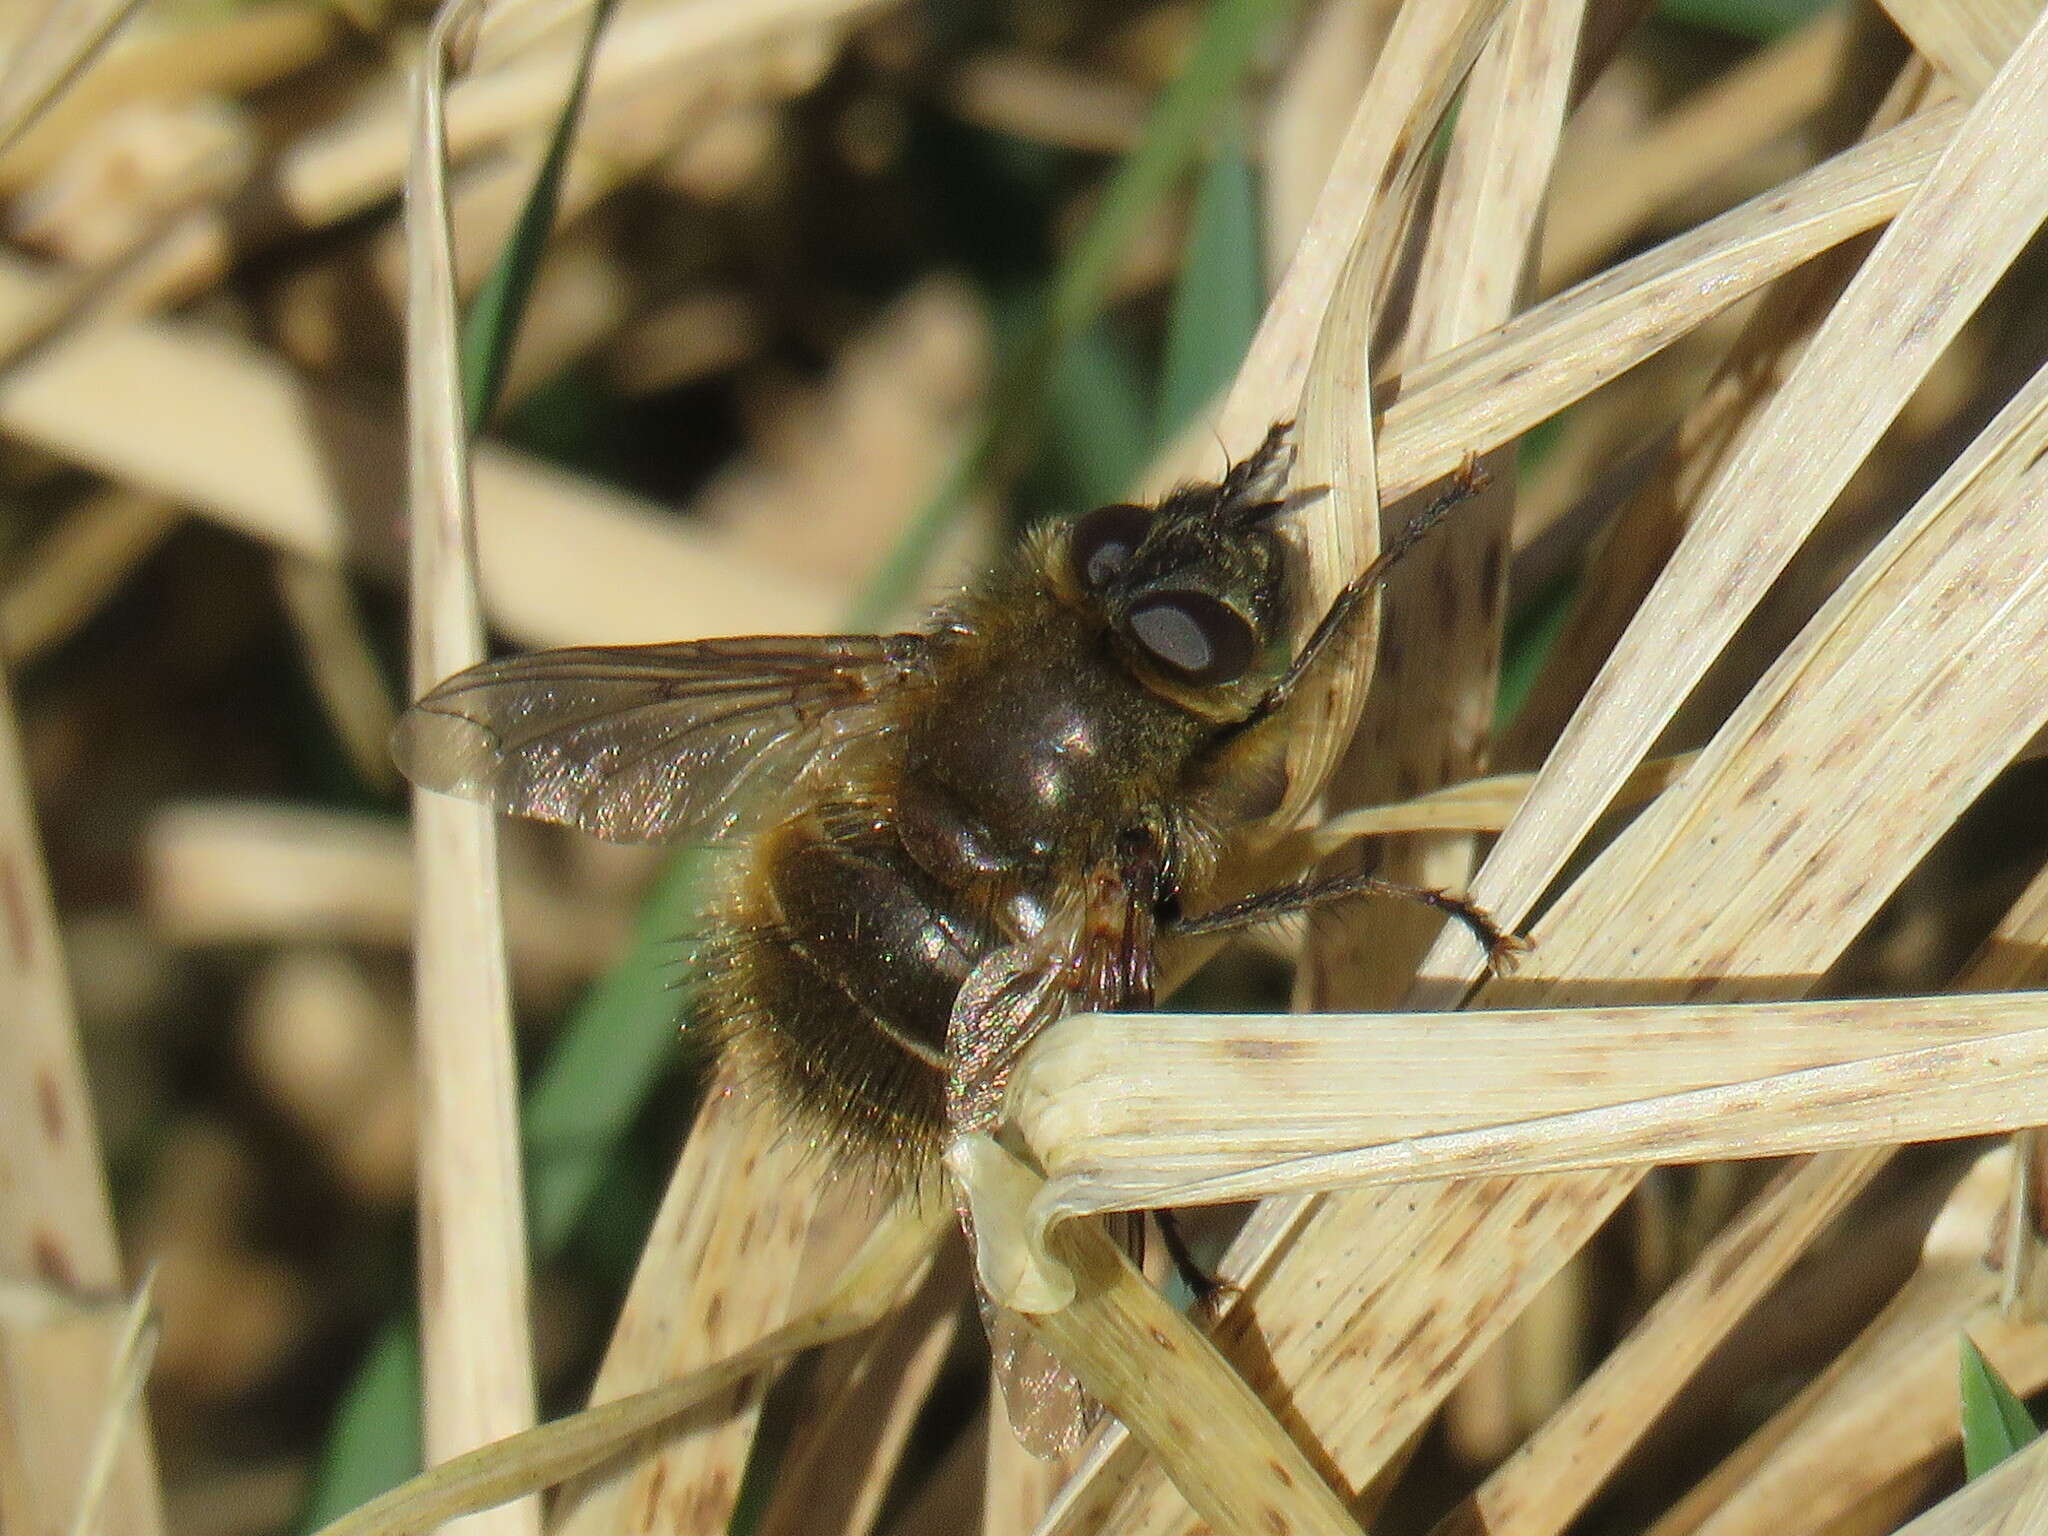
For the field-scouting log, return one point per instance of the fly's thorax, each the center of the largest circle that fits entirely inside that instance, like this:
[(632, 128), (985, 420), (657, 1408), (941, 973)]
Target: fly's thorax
[(1038, 750)]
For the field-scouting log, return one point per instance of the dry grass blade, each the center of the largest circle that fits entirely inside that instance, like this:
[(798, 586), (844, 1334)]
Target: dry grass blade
[(1547, 1481), (350, 168), (1428, 54), (1550, 1478), (54, 1218), (606, 1434), (341, 662), (78, 568), (2006, 1501), (1625, 564), (1017, 93), (1936, 261), (1306, 118), (1776, 954), (1499, 385), (1120, 1109), (61, 43), (1514, 377), (1147, 1364), (859, 1413), (1966, 39), (476, 1355), (2016, 955), (240, 873), (1575, 946), (1885, 1403), (133, 1352), (1607, 196), (747, 1213), (1477, 805), (1430, 708), (1858, 710), (204, 420), (1369, 1389), (1882, 1407), (222, 54)]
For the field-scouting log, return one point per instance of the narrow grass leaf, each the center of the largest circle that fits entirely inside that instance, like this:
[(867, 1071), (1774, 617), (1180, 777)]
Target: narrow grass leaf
[(492, 325), (58, 47), (1996, 1423), (1759, 19), (1221, 293), (373, 1441), (1100, 432)]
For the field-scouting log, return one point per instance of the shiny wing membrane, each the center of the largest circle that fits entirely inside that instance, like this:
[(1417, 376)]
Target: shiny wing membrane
[(653, 743), (1094, 956)]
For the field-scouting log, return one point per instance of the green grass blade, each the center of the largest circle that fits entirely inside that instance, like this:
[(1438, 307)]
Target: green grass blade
[(1995, 1422), (1760, 19), (1221, 293), (1100, 431), (373, 1444), (492, 324), (613, 1048)]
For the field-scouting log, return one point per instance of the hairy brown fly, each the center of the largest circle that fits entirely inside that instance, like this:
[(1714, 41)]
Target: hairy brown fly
[(947, 839)]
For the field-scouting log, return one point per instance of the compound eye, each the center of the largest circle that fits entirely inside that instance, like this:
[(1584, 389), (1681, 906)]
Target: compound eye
[(1194, 636), (1103, 542)]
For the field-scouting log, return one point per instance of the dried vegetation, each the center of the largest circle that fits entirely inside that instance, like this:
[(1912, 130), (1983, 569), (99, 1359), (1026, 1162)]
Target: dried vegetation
[(1727, 690)]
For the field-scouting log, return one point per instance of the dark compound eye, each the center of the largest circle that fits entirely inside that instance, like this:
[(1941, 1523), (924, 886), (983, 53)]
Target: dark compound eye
[(1193, 635), (1103, 542)]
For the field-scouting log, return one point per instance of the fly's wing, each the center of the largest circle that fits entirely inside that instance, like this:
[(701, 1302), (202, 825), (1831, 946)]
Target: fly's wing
[(651, 743), (1095, 955)]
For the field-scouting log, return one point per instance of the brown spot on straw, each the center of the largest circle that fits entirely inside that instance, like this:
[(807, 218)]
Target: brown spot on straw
[(21, 933), (656, 1486), (50, 1105), (1265, 1050), (52, 1262)]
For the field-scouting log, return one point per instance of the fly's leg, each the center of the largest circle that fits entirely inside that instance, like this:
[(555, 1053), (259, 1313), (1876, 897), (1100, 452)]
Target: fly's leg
[(1284, 901), (1208, 1289), (1336, 622)]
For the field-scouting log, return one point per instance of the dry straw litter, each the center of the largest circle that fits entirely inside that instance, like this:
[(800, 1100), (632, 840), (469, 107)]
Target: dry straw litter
[(1725, 690)]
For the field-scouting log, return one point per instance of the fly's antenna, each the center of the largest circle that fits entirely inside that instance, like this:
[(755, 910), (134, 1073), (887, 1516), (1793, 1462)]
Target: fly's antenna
[(1258, 477)]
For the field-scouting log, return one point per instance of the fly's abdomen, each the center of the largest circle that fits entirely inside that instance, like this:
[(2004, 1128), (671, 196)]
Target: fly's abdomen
[(841, 961)]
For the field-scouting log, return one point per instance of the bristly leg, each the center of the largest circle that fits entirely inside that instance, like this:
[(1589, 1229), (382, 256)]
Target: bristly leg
[(1470, 479), (1206, 1288), (1299, 896)]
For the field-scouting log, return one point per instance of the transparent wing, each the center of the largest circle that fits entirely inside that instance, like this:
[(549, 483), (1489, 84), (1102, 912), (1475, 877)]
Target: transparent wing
[(649, 743), (1095, 955)]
